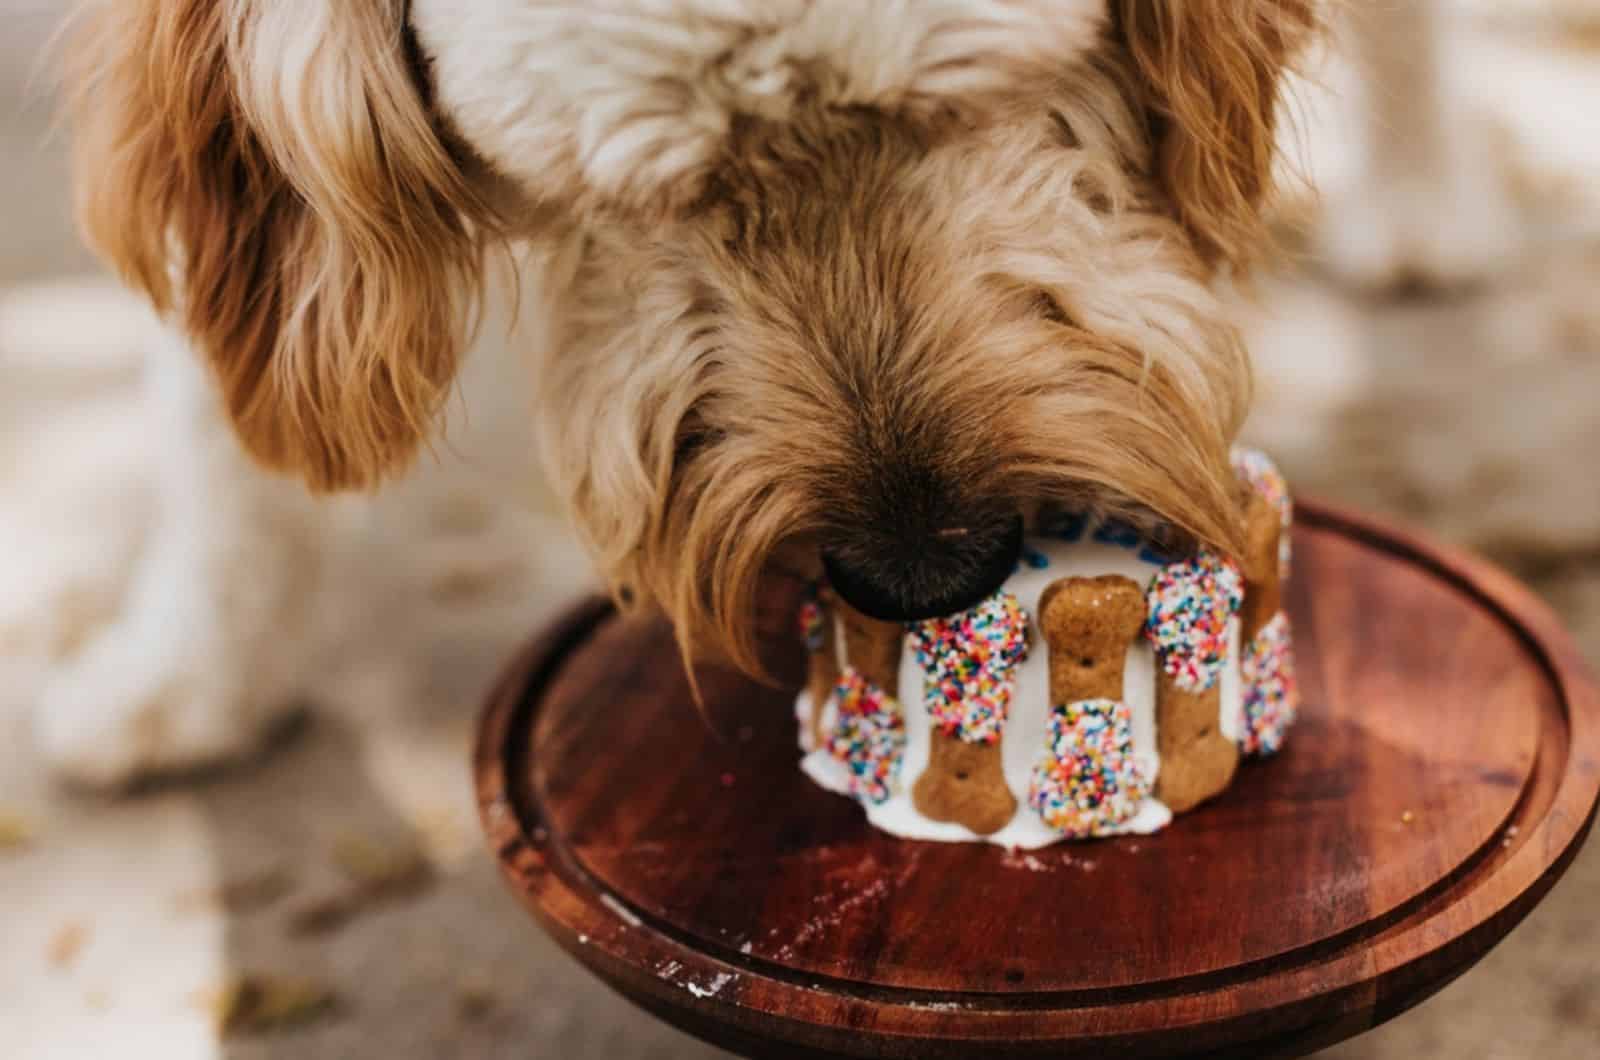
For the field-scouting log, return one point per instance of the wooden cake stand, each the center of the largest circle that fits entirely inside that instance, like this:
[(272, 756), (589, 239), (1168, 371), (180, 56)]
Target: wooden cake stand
[(1442, 776)]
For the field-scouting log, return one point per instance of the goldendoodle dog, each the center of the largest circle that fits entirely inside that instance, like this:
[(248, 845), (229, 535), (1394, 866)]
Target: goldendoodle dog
[(865, 284)]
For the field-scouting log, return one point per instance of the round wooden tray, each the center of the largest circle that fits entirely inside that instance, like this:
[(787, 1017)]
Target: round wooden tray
[(1442, 776)]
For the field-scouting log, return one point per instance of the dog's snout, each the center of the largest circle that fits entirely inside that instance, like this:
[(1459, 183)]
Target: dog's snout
[(905, 575)]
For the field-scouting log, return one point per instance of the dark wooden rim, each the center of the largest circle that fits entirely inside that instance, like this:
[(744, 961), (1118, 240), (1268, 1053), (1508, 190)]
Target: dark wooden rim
[(1344, 984)]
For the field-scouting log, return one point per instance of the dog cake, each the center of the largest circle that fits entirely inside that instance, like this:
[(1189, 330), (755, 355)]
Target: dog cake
[(1105, 687)]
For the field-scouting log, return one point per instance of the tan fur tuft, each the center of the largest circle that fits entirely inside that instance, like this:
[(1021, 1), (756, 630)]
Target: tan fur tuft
[(269, 173)]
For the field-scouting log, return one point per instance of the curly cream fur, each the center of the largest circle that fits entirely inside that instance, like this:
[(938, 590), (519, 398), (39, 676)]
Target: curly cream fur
[(791, 249)]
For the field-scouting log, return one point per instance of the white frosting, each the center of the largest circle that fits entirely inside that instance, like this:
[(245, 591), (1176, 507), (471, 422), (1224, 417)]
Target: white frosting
[(1023, 742)]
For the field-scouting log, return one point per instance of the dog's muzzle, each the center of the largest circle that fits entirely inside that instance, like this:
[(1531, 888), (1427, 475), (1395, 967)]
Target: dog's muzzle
[(928, 575)]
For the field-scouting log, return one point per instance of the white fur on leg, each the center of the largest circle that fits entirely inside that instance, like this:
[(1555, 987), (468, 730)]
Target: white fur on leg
[(74, 467), (250, 598), (134, 703), (209, 648), (71, 520)]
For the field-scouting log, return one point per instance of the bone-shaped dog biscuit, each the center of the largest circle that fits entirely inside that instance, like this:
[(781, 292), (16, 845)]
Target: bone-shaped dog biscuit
[(1087, 783), (969, 663), (964, 783), (1263, 594), (1191, 604), (867, 732), (872, 647), (1266, 668), (1197, 761), (1089, 624)]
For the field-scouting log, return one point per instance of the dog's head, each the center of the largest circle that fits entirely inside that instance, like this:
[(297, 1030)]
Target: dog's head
[(877, 276)]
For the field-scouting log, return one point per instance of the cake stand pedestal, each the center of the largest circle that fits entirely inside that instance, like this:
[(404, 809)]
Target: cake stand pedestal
[(1442, 776)]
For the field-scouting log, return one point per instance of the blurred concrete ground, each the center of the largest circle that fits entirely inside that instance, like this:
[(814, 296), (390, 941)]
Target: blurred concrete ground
[(1477, 415)]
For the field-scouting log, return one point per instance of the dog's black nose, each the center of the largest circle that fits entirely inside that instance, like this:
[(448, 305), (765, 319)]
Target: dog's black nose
[(929, 575)]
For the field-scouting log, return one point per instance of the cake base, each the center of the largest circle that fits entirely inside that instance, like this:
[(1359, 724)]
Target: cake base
[(1444, 770)]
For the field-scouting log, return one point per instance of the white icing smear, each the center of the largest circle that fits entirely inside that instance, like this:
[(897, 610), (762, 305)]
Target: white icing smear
[(803, 711), (1024, 740), (1231, 723)]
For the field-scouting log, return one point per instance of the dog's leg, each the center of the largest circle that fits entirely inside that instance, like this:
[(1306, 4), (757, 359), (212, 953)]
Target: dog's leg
[(73, 467), (1429, 206), (211, 641)]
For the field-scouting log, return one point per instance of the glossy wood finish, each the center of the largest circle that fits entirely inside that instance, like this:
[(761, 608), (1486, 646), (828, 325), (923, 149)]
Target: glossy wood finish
[(1442, 775)]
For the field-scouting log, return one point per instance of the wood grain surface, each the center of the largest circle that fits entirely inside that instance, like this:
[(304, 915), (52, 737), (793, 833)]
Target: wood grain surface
[(1444, 770)]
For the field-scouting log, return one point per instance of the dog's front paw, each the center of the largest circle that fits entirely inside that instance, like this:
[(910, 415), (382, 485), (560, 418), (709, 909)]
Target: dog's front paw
[(121, 712)]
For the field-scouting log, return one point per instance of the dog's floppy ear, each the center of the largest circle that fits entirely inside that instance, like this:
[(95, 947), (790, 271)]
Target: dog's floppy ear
[(1210, 73), (269, 172)]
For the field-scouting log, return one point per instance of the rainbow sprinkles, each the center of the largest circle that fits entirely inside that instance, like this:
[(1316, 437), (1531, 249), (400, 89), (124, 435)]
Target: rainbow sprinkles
[(1083, 769)]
